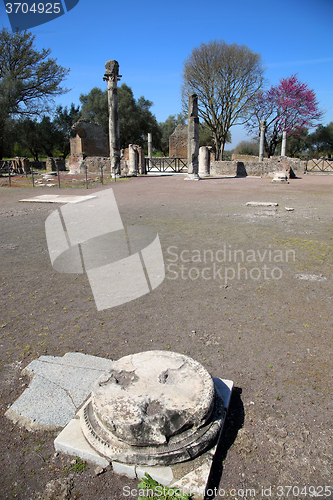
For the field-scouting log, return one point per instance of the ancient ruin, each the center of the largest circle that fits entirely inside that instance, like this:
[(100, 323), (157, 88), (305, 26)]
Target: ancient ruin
[(153, 408), (55, 164), (90, 142), (112, 77), (178, 142), (193, 138), (262, 139), (204, 161)]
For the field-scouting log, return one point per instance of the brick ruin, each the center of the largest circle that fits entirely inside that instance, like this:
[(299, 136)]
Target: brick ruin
[(89, 147), (178, 142)]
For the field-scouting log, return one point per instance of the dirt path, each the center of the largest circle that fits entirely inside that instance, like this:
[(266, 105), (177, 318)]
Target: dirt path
[(248, 293)]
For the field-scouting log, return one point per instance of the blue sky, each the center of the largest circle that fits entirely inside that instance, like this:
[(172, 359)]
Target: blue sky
[(150, 40)]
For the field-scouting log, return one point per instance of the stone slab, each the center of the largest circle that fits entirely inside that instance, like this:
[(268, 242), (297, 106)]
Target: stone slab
[(57, 198), (58, 388), (71, 441), (43, 404), (261, 204)]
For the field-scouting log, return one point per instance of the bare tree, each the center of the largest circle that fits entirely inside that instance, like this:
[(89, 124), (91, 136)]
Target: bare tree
[(225, 78)]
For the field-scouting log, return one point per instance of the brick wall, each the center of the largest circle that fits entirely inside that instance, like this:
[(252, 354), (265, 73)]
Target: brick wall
[(178, 142)]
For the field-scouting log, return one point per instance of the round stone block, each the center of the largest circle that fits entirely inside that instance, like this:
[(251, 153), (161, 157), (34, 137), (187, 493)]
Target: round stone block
[(154, 408)]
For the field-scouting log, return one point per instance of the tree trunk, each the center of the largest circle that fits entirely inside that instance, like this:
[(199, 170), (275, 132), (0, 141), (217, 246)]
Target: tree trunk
[(218, 147)]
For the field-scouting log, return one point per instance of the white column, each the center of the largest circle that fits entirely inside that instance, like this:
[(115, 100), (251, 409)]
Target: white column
[(204, 157), (284, 143), (262, 139)]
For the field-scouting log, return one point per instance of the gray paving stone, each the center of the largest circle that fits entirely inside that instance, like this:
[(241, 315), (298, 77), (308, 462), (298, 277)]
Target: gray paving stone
[(59, 386), (43, 403)]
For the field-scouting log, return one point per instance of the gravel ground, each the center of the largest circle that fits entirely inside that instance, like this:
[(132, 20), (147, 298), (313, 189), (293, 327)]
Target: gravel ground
[(265, 323)]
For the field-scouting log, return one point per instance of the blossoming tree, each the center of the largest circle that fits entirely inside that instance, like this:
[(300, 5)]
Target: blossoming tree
[(289, 107)]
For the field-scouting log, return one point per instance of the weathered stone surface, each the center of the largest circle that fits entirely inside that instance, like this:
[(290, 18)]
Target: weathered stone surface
[(112, 76), (252, 166), (148, 397), (58, 489), (178, 142), (204, 161), (193, 137), (280, 177), (90, 140), (153, 408), (54, 164)]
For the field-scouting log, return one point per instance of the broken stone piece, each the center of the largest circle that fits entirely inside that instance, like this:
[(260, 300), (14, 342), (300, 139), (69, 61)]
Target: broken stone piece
[(280, 177), (153, 408)]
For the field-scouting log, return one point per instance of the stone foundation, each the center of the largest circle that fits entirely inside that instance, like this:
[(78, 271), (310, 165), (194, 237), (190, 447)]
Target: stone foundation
[(293, 167)]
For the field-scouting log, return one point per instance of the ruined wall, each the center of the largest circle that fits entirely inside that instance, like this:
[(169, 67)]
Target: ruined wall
[(292, 166), (178, 142), (140, 161), (55, 164), (90, 141), (236, 157), (93, 164)]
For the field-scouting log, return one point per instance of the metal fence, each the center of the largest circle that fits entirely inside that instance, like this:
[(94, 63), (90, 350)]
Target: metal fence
[(166, 164), (323, 165)]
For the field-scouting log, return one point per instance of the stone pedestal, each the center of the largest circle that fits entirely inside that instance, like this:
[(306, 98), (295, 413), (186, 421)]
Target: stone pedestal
[(153, 408)]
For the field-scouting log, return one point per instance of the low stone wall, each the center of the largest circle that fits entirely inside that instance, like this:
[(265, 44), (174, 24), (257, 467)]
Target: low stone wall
[(55, 164), (294, 167), (78, 164)]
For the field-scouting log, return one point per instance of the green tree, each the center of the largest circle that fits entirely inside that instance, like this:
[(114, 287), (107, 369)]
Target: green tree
[(135, 117), (247, 148), (63, 120), (29, 137), (225, 78), (94, 107), (321, 140), (29, 79)]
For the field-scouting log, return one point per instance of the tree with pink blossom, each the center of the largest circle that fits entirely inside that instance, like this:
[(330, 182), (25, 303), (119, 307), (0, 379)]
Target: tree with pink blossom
[(289, 107)]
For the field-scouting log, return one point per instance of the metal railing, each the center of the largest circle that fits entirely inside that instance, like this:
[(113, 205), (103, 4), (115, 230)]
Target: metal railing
[(322, 165), (166, 164)]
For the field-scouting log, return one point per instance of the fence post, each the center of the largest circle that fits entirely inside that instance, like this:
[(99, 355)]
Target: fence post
[(58, 176), (102, 174), (86, 169), (32, 176), (9, 179)]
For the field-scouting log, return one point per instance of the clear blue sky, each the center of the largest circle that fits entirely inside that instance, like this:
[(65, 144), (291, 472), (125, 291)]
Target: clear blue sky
[(150, 40)]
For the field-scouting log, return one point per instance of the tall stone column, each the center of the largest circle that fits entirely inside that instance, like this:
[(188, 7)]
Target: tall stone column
[(150, 149), (150, 145), (262, 139), (112, 77), (204, 161), (284, 143), (193, 138)]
